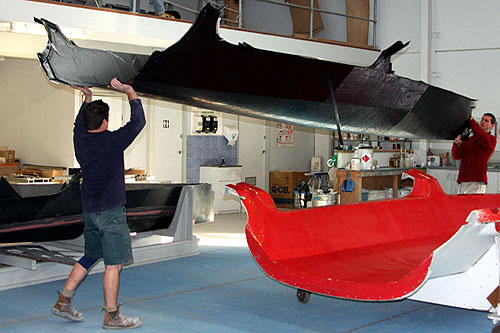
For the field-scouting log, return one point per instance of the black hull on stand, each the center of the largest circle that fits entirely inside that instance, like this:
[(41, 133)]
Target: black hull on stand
[(203, 70), (59, 216)]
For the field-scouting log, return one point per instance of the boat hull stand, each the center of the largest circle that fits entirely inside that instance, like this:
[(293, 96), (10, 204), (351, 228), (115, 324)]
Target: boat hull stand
[(176, 241)]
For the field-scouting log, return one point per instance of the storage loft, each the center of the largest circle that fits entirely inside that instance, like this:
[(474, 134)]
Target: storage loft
[(119, 30)]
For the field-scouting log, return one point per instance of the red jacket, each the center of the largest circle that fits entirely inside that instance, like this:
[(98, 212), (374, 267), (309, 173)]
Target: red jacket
[(474, 153)]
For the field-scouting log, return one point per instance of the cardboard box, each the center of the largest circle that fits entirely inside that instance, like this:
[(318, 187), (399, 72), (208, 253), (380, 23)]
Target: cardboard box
[(8, 168), (282, 184), (357, 30), (8, 155), (301, 18), (231, 15)]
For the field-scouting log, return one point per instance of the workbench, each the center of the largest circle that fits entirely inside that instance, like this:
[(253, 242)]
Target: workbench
[(372, 179)]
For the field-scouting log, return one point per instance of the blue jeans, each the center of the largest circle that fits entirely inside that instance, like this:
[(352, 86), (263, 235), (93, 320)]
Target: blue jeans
[(158, 4)]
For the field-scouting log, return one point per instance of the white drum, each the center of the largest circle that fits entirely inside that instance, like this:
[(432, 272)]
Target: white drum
[(366, 157)]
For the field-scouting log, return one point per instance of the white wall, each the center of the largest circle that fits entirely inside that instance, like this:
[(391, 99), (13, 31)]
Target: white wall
[(322, 147), (297, 158), (464, 58), (36, 117), (467, 53), (400, 20), (267, 17), (464, 48)]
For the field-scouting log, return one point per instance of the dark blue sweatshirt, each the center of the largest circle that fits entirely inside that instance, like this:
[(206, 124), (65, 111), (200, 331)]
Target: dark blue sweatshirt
[(101, 157)]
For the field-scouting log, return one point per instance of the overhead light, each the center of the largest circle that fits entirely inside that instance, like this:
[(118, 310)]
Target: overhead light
[(38, 29)]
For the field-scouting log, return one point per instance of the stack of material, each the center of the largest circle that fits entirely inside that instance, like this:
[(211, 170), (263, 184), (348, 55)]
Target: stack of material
[(8, 163), (8, 169), (42, 171), (7, 156), (135, 175), (135, 172)]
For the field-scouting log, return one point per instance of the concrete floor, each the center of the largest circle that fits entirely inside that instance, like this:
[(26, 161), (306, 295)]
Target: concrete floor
[(223, 290)]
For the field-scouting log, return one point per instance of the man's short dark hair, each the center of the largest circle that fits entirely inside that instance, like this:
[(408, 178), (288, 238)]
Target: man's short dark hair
[(94, 113), (492, 116)]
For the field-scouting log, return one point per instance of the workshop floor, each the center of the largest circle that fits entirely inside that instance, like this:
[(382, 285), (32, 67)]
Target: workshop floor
[(223, 290)]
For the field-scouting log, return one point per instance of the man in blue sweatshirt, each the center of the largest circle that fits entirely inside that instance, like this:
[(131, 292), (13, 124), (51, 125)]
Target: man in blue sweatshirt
[(107, 236)]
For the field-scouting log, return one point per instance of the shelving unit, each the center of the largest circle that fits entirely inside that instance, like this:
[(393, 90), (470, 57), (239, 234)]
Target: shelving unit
[(385, 143), (377, 179)]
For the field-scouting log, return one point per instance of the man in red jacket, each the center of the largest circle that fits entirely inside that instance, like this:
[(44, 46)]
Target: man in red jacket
[(474, 154)]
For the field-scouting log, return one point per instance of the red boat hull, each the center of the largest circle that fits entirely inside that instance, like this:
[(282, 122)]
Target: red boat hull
[(376, 250)]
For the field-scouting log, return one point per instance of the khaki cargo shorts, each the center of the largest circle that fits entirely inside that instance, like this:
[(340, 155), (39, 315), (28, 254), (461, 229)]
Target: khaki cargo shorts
[(107, 236)]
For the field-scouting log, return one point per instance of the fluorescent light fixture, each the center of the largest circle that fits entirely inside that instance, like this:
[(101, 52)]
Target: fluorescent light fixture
[(38, 29)]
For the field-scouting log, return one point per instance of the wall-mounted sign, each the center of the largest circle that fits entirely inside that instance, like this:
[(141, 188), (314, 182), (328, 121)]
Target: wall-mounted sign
[(166, 123), (284, 135)]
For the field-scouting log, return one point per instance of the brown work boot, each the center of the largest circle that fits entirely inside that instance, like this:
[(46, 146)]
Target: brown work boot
[(65, 309), (116, 320)]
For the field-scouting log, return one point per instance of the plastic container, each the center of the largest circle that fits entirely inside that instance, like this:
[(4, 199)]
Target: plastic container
[(315, 164), (366, 157), (355, 164), (323, 199)]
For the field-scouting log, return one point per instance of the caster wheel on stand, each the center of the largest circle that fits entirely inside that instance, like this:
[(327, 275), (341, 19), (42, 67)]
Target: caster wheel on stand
[(303, 296)]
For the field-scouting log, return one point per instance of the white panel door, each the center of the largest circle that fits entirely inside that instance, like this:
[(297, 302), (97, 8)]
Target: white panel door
[(252, 150), (166, 141), (135, 156)]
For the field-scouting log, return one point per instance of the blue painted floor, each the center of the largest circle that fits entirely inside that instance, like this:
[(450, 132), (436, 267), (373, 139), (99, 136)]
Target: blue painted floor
[(223, 290)]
